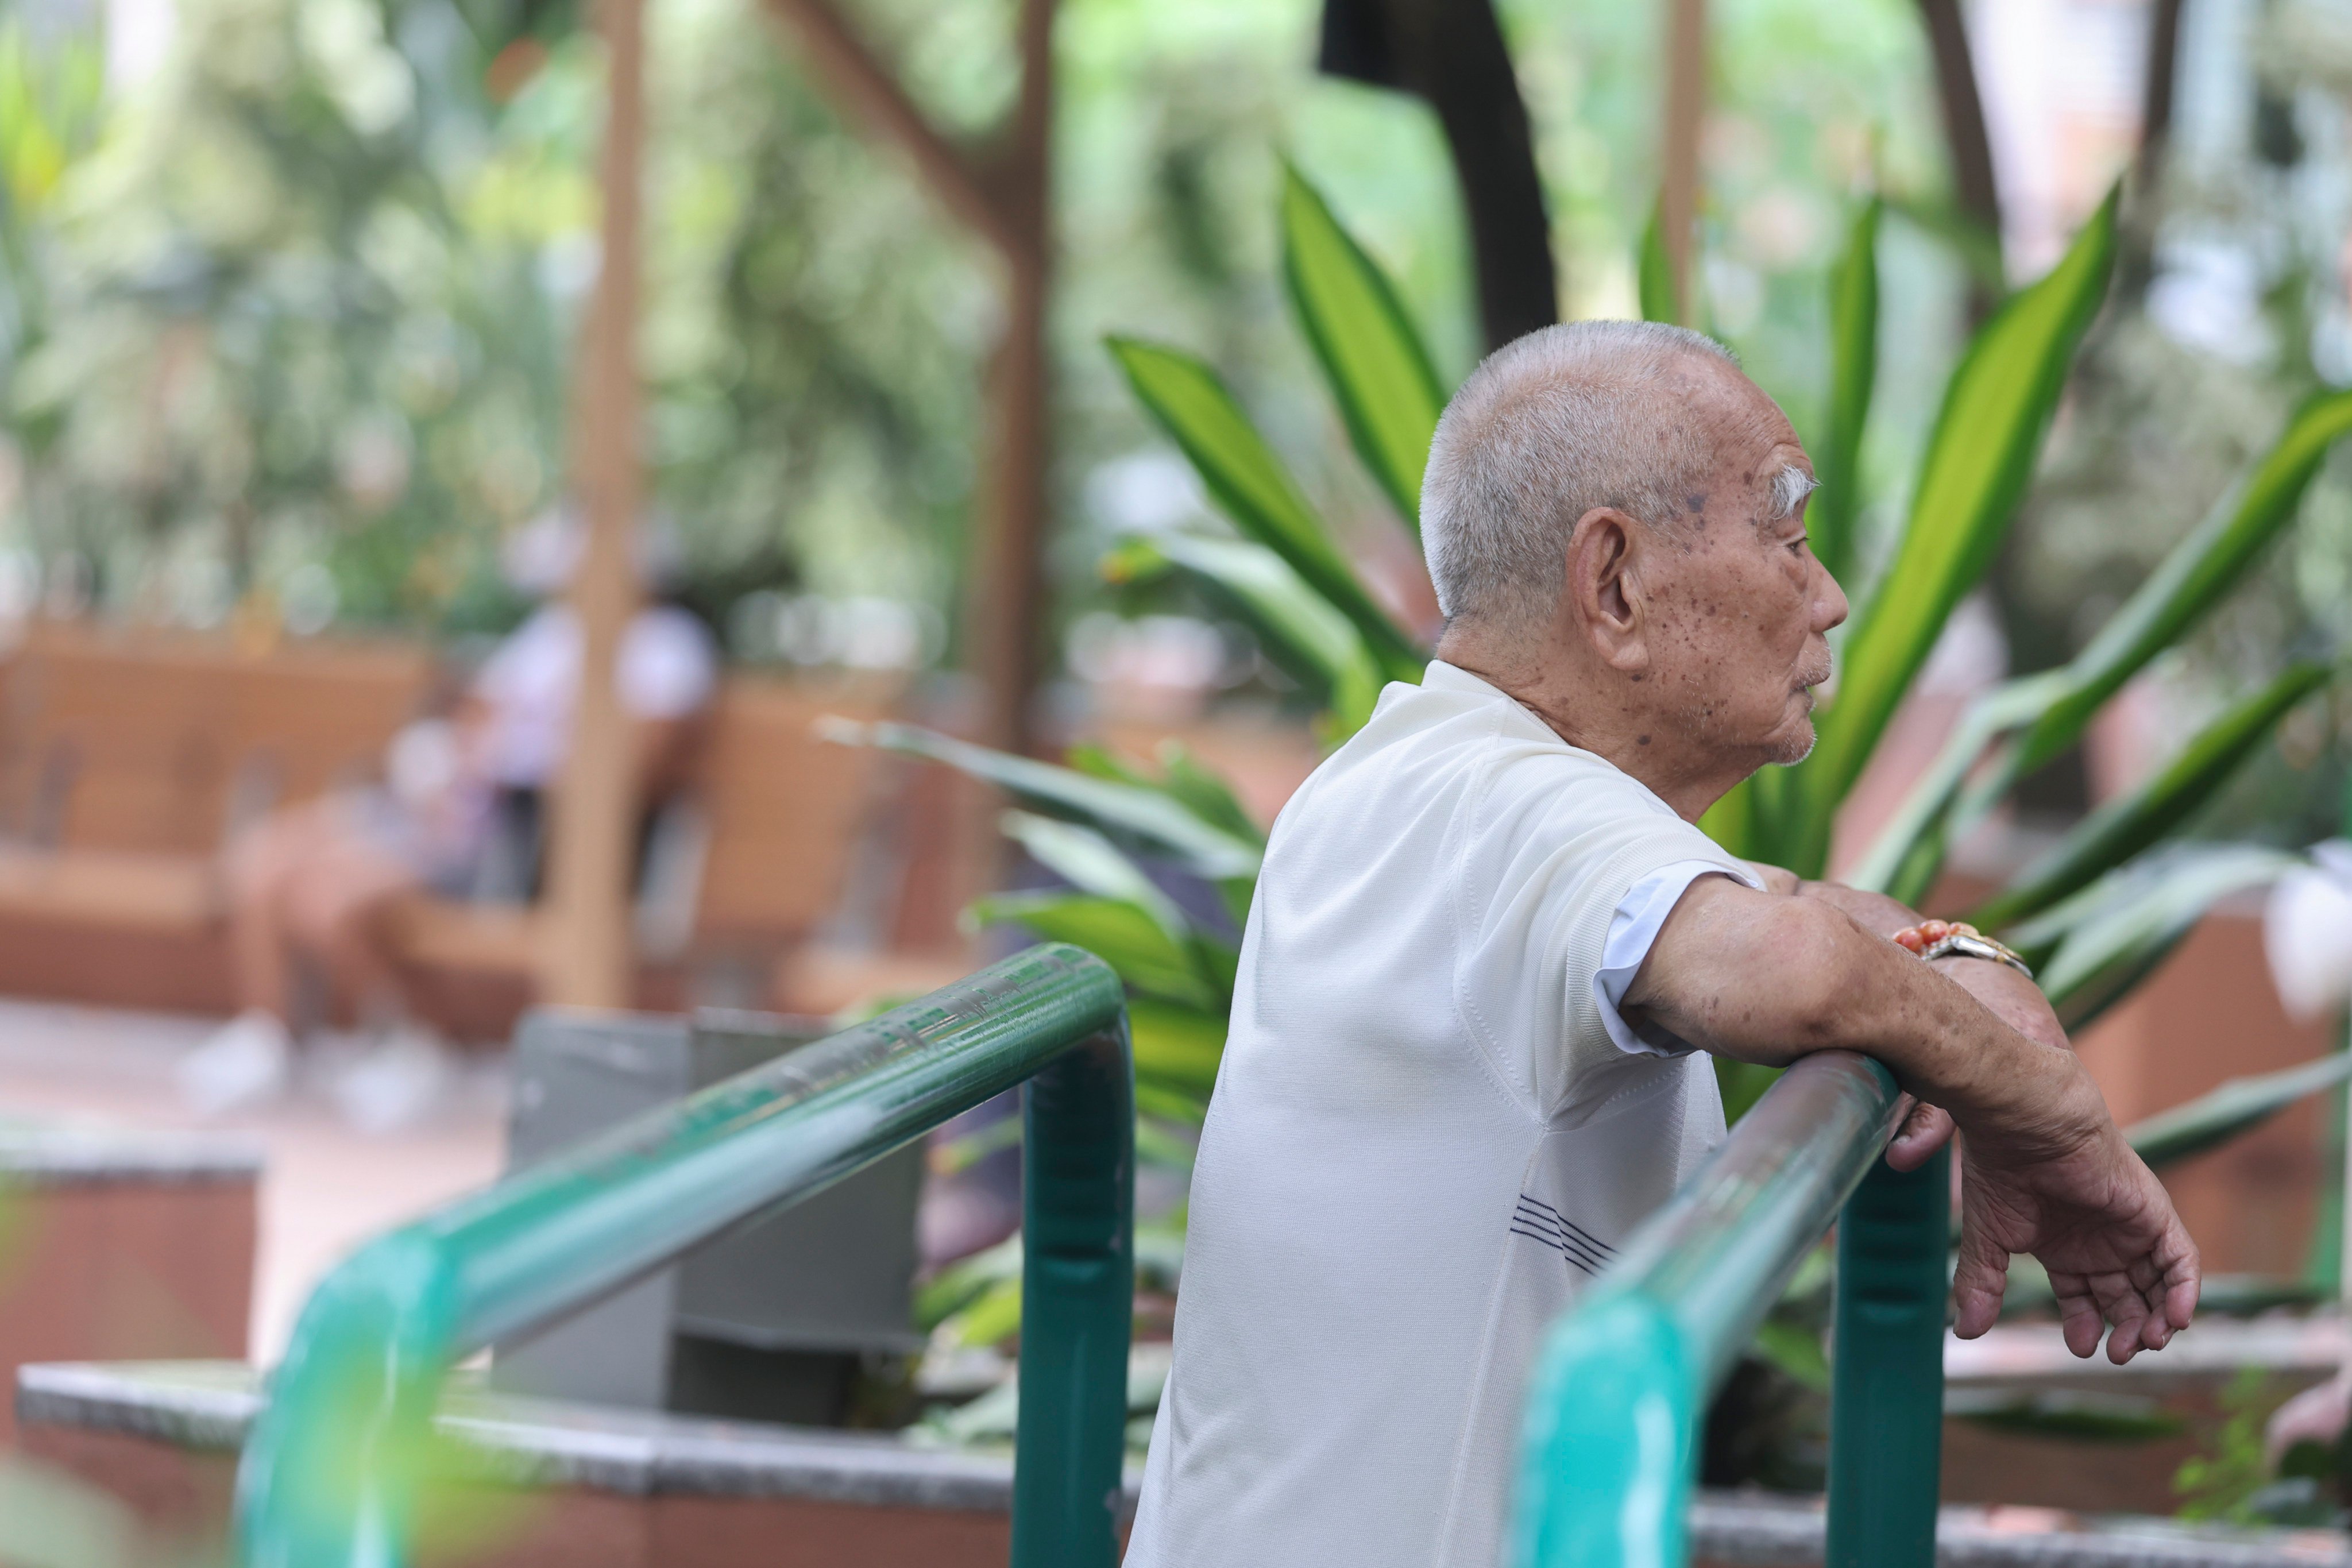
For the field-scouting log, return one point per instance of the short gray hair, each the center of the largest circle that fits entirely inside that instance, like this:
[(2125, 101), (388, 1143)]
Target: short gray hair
[(1550, 426)]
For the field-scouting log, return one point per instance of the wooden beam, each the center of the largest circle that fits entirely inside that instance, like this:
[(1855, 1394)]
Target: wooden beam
[(1004, 608), (587, 958), (1686, 115), (864, 89), (1003, 193)]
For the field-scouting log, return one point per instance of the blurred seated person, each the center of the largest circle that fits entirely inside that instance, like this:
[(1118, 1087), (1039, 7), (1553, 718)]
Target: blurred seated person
[(319, 890)]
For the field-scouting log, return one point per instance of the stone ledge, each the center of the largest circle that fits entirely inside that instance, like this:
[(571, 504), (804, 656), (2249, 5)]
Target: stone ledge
[(48, 1154), (548, 1442), (1739, 1529), (209, 1405)]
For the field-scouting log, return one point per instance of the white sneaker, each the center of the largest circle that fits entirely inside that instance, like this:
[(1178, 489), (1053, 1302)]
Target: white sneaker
[(397, 1084), (247, 1061)]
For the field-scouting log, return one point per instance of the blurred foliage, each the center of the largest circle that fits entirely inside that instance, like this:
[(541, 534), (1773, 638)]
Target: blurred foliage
[(2113, 898), (2223, 1482), (2230, 310), (291, 319)]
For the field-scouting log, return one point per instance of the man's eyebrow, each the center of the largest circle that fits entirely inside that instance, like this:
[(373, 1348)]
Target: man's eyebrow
[(1791, 485)]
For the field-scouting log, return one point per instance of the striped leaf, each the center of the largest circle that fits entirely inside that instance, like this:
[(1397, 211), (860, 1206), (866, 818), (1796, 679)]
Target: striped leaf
[(1296, 626), (1834, 511), (1176, 1047), (1250, 483), (1372, 355), (1128, 813), (2239, 1105), (2129, 823), (1981, 457), (2199, 572), (2093, 949), (1114, 930)]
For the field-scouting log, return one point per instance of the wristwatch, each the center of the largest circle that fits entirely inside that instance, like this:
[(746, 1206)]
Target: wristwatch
[(1932, 940)]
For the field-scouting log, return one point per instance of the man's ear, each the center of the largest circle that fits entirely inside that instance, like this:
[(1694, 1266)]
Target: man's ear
[(1600, 593)]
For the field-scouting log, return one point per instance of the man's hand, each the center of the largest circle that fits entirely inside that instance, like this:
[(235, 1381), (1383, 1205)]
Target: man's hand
[(1769, 978), (2098, 1220)]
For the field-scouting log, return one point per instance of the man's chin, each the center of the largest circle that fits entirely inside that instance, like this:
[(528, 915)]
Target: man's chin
[(1796, 745)]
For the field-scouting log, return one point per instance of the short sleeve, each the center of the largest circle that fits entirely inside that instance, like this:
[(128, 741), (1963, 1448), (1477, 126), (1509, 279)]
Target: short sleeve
[(1632, 929)]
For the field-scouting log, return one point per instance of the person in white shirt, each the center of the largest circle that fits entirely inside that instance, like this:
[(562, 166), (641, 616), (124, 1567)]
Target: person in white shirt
[(1490, 953), (459, 812)]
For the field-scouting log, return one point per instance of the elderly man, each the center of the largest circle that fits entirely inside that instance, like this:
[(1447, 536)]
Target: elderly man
[(1490, 952)]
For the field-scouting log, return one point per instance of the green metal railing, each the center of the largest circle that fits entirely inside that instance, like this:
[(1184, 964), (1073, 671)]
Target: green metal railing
[(330, 1474), (1623, 1383)]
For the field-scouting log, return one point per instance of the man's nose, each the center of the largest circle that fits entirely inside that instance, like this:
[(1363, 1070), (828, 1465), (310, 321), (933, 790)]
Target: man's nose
[(1829, 601)]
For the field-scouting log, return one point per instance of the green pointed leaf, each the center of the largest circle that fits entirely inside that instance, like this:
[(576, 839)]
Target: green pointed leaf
[(2199, 572), (1183, 780), (1731, 821), (2053, 709), (1209, 797), (1250, 483), (1902, 862), (1116, 931), (1297, 628), (1093, 864), (2092, 949), (1655, 272), (2129, 823), (1086, 757), (1981, 457), (1127, 813), (1176, 1047), (1834, 511), (1380, 371), (2238, 1106), (966, 1280)]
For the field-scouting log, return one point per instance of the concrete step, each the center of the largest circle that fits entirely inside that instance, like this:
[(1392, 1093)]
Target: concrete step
[(626, 1488)]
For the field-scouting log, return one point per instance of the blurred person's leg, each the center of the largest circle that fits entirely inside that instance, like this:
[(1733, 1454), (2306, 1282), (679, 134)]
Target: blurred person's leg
[(345, 907), (250, 1058)]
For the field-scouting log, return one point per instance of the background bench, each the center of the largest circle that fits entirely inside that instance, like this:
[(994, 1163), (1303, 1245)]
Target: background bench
[(128, 761)]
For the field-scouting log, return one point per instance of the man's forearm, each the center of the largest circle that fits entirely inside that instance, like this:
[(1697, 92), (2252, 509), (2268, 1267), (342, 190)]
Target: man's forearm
[(1769, 979), (2014, 998)]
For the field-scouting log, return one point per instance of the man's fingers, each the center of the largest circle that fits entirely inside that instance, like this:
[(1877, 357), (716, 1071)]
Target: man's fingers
[(2181, 1298), (1927, 1129), (1978, 1279), (2079, 1318)]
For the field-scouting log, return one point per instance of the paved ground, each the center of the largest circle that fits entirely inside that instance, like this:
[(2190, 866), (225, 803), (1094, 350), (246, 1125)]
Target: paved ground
[(327, 1186)]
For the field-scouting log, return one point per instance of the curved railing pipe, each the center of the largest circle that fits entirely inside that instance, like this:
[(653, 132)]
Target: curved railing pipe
[(1623, 1379), (328, 1477)]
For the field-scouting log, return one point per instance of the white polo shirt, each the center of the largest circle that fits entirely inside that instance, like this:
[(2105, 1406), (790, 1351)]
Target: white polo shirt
[(1430, 1129)]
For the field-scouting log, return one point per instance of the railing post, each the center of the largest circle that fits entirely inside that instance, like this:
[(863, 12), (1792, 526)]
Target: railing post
[(1886, 1389), (1078, 1304)]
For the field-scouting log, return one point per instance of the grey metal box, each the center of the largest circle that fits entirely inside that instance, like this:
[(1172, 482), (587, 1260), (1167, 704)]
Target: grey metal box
[(770, 1320)]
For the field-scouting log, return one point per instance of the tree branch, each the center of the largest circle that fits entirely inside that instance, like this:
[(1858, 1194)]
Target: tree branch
[(867, 92), (1973, 186), (1452, 55), (2163, 69)]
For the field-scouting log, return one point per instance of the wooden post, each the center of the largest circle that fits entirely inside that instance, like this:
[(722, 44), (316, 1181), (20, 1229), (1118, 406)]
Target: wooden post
[(1001, 189), (586, 959), (1686, 114)]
